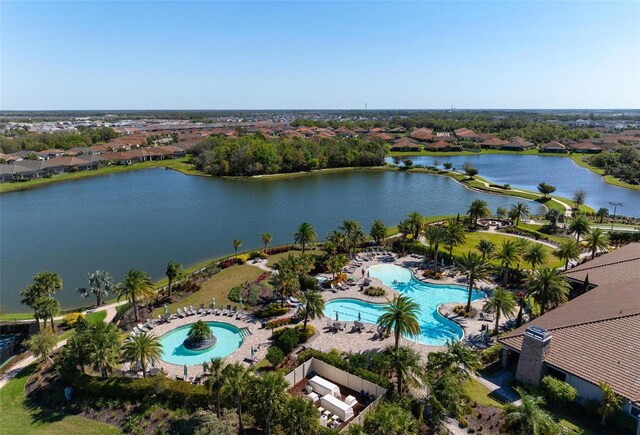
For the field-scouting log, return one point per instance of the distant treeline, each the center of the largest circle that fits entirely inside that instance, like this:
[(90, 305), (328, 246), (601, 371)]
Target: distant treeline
[(255, 155), (518, 124), (622, 162), (86, 136)]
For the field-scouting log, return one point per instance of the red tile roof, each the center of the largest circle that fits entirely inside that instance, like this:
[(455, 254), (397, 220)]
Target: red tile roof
[(423, 134)]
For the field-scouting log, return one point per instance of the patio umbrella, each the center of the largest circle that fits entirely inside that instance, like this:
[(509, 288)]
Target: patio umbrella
[(213, 302), (253, 351), (166, 309), (186, 371), (359, 319), (240, 301)]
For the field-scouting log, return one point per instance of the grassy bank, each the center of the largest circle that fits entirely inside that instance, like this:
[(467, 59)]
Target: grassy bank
[(18, 415), (180, 165), (579, 159)]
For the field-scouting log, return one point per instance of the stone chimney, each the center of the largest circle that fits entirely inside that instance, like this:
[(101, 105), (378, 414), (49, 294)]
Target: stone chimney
[(535, 347)]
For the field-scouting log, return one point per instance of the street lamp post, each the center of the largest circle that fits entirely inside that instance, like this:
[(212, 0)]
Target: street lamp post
[(615, 207)]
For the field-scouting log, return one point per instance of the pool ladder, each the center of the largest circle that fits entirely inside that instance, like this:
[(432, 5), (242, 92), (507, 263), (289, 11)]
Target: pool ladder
[(244, 332)]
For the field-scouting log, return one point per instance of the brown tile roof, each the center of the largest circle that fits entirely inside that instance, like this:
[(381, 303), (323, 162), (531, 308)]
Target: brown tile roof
[(584, 146), (465, 133), (291, 133), (623, 264), (494, 143), (422, 134), (438, 145), (405, 143), (519, 141), (553, 145)]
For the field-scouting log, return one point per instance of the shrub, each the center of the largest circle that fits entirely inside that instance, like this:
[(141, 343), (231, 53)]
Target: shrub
[(236, 292), (278, 250), (271, 311), (491, 354), (287, 340), (557, 391), (375, 291), (278, 322), (275, 355), (229, 262), (335, 359), (305, 334), (255, 254), (71, 319), (242, 258)]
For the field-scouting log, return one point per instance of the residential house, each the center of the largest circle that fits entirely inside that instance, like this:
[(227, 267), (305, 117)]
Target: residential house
[(405, 144), (553, 147), (584, 147), (465, 133), (422, 134), (517, 143)]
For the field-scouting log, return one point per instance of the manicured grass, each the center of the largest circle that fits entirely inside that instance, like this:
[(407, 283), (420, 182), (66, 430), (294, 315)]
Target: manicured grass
[(10, 317), (497, 238), (181, 165), (408, 154), (553, 237), (481, 394), (18, 416)]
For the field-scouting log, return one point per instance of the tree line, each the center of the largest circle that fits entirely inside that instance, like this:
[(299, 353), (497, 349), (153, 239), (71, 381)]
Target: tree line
[(84, 137)]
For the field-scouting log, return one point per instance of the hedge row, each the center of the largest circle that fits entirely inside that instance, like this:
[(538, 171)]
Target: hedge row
[(525, 232), (336, 360), (158, 388)]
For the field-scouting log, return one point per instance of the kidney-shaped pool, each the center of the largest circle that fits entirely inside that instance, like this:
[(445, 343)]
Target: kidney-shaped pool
[(435, 330)]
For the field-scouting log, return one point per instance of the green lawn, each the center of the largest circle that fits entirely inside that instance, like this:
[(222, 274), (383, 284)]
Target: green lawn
[(474, 237), (481, 394), (18, 416), (553, 237), (10, 317)]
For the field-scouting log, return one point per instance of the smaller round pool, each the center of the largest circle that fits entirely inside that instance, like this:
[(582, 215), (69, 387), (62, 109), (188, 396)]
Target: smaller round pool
[(228, 338)]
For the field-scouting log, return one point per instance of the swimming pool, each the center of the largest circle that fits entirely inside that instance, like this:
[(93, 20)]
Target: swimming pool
[(435, 330), (174, 352)]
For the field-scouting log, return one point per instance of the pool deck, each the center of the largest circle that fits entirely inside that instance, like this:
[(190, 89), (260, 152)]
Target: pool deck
[(348, 341), (259, 338)]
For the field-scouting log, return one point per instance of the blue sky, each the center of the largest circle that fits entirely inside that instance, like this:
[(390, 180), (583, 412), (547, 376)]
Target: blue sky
[(296, 55)]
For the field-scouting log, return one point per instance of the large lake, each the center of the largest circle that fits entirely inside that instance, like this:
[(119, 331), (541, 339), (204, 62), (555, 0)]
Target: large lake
[(142, 219), (526, 171)]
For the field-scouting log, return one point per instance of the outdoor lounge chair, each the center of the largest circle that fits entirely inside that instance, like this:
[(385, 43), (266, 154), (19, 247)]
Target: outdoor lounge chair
[(180, 313), (193, 310), (233, 311), (186, 311), (227, 310)]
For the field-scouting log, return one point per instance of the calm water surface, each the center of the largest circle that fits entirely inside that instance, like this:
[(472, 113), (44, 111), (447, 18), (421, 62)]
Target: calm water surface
[(527, 171), (143, 219)]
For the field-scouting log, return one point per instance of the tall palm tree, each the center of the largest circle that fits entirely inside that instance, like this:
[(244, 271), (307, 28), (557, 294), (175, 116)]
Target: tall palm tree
[(458, 360), (400, 315), (301, 417), (535, 254), (406, 365), (520, 210), (306, 235), (478, 209), (48, 307), (104, 347), (597, 240), (266, 239), (237, 381), (486, 248), (353, 235), (214, 373), (45, 285), (435, 236), (579, 226), (475, 268), (312, 306), (270, 397), (31, 295), (100, 284), (508, 255), (548, 287), (501, 303), (137, 286), (174, 272), (567, 251), (144, 348), (529, 417), (609, 403), (378, 231), (579, 198), (455, 235), (236, 245), (415, 223)]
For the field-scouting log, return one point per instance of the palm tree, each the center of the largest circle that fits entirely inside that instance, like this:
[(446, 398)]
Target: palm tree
[(529, 417), (378, 231), (519, 210), (609, 403), (137, 286), (579, 198), (597, 240), (266, 239), (144, 348), (602, 213), (548, 287), (455, 235), (579, 226), (301, 417), (312, 306), (31, 295), (535, 255), (353, 234), (100, 284), (214, 373), (336, 263), (269, 396), (406, 365), (306, 235), (478, 209), (400, 315), (104, 347), (48, 308), (174, 272), (553, 216), (415, 223), (236, 245), (508, 255), (237, 381), (45, 285), (435, 236), (486, 248), (475, 268), (501, 302), (567, 251), (458, 360)]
